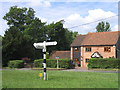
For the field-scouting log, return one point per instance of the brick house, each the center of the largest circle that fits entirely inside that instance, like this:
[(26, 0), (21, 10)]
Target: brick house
[(60, 54), (99, 45), (91, 45)]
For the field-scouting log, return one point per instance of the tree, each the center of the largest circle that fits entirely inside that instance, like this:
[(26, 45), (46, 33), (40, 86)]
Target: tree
[(0, 45), (20, 18), (38, 33), (26, 29), (103, 27), (19, 38), (74, 35), (0, 41), (63, 36), (16, 45), (36, 30)]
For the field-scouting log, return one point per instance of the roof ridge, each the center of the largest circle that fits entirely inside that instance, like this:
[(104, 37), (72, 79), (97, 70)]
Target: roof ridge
[(103, 32), (82, 35), (90, 38)]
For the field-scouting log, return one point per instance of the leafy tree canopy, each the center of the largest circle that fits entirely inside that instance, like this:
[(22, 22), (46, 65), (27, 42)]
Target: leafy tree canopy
[(26, 29), (103, 27), (20, 18)]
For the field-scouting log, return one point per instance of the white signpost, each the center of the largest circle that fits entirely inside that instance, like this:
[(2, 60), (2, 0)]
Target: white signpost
[(43, 47), (57, 57)]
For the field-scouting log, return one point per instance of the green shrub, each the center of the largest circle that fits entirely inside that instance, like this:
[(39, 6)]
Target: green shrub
[(16, 64), (52, 63), (38, 63), (103, 63)]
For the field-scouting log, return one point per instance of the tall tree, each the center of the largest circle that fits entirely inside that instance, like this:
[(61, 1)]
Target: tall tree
[(74, 35), (0, 40), (103, 27), (19, 38), (36, 30), (15, 45), (19, 17), (60, 34), (26, 29), (0, 43)]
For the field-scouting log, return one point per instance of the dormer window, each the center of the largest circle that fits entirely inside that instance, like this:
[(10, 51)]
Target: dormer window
[(107, 49)]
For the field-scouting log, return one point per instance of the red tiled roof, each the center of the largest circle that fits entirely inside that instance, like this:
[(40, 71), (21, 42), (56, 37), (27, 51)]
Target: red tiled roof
[(61, 54), (78, 40), (99, 38)]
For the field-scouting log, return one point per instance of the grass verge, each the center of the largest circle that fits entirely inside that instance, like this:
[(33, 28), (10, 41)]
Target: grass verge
[(58, 79)]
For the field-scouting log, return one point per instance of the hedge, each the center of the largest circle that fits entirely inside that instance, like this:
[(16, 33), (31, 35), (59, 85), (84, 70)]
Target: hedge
[(103, 63), (16, 64), (52, 63)]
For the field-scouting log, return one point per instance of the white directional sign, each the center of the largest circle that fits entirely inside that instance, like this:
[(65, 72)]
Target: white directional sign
[(51, 43), (36, 45), (44, 44)]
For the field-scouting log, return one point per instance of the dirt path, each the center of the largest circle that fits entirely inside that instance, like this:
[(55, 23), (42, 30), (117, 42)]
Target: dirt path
[(83, 70), (78, 70)]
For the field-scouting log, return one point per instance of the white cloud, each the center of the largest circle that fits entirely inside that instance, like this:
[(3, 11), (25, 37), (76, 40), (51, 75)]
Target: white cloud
[(98, 14), (47, 4), (71, 15), (93, 15), (43, 19), (115, 28), (36, 3), (74, 17)]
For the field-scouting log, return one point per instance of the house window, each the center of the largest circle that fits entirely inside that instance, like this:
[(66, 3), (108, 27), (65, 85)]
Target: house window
[(107, 49), (88, 49), (86, 60), (76, 49)]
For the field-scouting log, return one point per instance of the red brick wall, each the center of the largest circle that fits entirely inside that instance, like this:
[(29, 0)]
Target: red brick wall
[(100, 49)]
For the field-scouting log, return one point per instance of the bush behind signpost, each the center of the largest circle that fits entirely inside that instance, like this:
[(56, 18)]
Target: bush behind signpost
[(52, 63)]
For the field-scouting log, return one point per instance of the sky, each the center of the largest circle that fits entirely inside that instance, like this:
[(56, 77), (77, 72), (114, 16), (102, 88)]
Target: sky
[(85, 15)]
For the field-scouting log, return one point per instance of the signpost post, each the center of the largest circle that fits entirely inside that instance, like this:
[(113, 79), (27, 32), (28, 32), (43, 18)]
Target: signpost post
[(43, 47), (57, 57)]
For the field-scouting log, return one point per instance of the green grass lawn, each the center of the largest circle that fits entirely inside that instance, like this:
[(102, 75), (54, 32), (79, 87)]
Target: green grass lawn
[(58, 79)]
